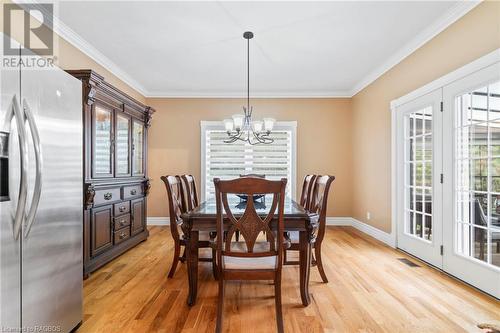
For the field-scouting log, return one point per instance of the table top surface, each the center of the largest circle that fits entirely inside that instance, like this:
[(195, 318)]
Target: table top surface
[(208, 208)]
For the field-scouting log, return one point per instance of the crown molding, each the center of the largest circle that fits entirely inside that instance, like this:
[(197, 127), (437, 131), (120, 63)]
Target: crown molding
[(222, 94), (451, 16), (85, 47)]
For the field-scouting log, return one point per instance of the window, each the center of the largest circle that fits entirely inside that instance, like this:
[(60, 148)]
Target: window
[(477, 165), (418, 168), (227, 161)]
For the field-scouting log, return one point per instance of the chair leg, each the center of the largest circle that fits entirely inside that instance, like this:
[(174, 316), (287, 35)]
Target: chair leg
[(319, 262), (285, 260), (220, 306), (237, 235), (182, 259), (177, 252), (214, 264), (277, 300)]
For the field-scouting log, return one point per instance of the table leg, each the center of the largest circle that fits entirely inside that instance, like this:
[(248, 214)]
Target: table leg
[(305, 266), (192, 266)]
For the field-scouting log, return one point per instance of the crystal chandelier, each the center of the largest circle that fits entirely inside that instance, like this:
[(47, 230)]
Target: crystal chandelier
[(241, 127)]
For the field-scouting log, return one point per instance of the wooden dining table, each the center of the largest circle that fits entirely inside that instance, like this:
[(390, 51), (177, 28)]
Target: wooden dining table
[(203, 219)]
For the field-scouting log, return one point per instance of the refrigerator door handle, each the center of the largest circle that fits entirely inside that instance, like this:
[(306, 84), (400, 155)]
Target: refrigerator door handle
[(37, 192), (14, 111)]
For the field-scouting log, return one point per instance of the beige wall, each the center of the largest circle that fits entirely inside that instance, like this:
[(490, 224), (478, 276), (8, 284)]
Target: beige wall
[(349, 138), (323, 141), (473, 36)]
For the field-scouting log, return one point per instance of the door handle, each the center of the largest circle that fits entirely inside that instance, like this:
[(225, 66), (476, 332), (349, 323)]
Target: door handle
[(37, 192), (14, 111)]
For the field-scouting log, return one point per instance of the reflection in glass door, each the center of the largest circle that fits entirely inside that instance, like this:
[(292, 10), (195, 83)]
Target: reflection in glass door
[(472, 195), (477, 172)]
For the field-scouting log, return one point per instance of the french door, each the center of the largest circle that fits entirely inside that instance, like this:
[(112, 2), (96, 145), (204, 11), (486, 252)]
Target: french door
[(448, 178), (472, 187), (419, 172)]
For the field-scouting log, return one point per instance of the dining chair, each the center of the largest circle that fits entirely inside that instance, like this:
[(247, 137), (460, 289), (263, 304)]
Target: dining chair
[(307, 187), (305, 199), (191, 194), (177, 206), (318, 205), (480, 235), (256, 257)]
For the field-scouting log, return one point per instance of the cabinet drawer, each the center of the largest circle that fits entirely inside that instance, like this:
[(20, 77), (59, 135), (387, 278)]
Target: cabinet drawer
[(132, 191), (121, 235), (122, 208), (122, 221), (106, 196)]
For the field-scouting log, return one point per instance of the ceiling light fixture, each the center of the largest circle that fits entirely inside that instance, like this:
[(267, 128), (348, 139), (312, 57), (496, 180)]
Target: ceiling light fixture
[(241, 127)]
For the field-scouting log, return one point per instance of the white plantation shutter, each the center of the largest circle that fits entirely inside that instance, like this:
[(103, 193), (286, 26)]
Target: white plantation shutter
[(228, 161)]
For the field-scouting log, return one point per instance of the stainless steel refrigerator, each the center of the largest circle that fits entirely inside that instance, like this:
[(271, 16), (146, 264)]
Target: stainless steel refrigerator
[(40, 200)]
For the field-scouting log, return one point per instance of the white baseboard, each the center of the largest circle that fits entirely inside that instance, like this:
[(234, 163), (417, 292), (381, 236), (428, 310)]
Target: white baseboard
[(339, 221), (378, 234), (155, 220), (384, 237), (387, 238)]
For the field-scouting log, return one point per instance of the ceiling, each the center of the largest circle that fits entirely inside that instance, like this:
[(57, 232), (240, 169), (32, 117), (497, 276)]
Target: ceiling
[(300, 49)]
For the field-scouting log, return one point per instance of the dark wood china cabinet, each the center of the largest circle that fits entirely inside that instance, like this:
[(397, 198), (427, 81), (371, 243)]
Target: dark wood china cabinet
[(115, 177)]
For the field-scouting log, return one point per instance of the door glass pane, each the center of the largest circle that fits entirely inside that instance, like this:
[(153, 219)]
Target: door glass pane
[(418, 173), (495, 247), (138, 138), (122, 142), (477, 174), (102, 143)]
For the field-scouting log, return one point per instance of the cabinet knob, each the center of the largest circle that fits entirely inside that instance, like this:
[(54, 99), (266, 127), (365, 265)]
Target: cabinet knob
[(122, 235), (122, 208), (133, 192), (108, 196), (122, 223)]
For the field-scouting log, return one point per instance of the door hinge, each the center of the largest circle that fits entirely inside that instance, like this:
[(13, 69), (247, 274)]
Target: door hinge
[(441, 249), (442, 107), (442, 178)]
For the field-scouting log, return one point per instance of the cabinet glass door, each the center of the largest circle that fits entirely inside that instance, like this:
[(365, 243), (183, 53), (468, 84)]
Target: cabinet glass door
[(122, 144), (137, 148), (102, 142)]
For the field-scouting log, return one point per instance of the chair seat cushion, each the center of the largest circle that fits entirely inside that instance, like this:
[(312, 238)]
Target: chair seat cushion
[(269, 262)]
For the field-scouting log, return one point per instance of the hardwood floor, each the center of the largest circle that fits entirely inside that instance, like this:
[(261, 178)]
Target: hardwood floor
[(370, 290)]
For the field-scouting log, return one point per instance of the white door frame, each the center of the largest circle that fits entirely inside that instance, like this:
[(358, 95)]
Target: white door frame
[(427, 250), (476, 272), (476, 65), (442, 81)]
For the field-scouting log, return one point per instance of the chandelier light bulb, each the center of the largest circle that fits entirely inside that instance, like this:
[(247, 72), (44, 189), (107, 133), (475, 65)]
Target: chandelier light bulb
[(238, 121), (269, 124), (228, 125), (257, 126)]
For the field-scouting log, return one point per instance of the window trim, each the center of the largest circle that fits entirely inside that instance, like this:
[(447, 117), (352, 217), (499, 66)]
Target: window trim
[(219, 125)]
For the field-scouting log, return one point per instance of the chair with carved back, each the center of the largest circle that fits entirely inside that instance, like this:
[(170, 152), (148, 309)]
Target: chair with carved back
[(318, 204), (191, 194), (177, 206), (307, 186), (305, 200), (257, 256)]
